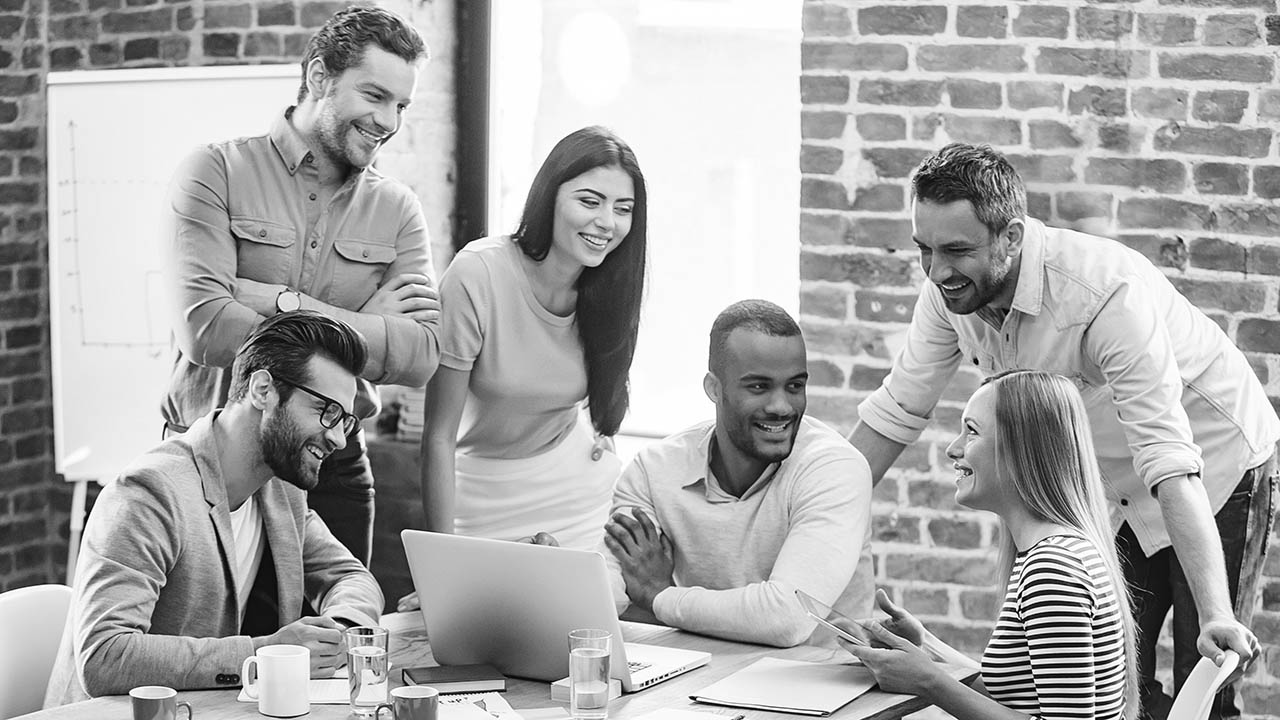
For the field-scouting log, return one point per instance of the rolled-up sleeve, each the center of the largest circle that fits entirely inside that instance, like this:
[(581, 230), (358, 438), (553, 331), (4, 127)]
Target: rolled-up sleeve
[(901, 407), (411, 349), (1132, 348)]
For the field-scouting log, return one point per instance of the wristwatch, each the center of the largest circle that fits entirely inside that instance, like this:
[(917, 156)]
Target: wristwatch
[(288, 301)]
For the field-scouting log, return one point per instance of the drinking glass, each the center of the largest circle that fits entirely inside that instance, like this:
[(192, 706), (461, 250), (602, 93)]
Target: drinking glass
[(589, 651), (367, 668)]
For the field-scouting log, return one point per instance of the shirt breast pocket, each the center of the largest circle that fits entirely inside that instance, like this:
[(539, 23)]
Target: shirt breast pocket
[(976, 357), (360, 265), (264, 249)]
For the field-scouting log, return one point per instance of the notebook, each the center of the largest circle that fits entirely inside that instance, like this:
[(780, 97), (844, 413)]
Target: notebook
[(790, 686), (512, 605)]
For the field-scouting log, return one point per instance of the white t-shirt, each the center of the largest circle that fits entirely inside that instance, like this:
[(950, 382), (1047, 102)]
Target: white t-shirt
[(246, 541)]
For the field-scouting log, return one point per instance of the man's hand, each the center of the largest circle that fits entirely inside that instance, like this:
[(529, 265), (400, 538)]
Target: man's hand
[(644, 556), (321, 635), (409, 602), (1227, 634), (409, 295)]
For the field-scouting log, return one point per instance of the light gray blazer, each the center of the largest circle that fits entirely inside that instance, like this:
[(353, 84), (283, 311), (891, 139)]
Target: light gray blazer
[(156, 599)]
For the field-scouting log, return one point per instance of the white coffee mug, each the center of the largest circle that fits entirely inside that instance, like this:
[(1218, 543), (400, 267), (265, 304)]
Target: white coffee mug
[(279, 677)]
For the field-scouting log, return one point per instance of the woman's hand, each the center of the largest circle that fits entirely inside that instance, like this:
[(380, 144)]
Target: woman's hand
[(897, 664), (900, 622), (408, 602)]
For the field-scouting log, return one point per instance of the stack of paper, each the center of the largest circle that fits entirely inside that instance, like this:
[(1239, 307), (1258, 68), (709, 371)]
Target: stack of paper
[(789, 686)]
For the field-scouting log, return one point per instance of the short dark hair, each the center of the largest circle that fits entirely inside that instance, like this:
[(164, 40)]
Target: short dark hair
[(342, 42), (284, 344), (608, 307), (758, 315), (975, 173)]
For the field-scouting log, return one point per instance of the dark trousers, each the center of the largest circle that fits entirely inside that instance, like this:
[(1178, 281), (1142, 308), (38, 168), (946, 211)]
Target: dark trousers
[(343, 497), (1158, 585)]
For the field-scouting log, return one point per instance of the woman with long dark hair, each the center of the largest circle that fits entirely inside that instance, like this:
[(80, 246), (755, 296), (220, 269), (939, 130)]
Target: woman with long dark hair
[(1063, 645), (534, 324)]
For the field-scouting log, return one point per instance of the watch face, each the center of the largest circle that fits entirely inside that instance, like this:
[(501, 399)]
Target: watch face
[(288, 301)]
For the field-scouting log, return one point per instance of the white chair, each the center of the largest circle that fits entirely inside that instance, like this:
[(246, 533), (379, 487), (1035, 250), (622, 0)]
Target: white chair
[(31, 622), (1202, 684)]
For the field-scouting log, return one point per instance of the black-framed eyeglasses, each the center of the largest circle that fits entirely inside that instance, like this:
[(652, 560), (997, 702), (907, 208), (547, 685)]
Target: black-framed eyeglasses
[(332, 414)]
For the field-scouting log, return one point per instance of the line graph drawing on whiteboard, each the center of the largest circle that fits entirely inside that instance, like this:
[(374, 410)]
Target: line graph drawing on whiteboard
[(98, 296)]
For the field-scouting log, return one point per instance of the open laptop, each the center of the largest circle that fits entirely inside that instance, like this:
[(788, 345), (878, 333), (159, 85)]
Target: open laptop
[(512, 605)]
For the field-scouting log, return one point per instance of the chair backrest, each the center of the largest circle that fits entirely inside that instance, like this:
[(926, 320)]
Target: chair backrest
[(31, 622), (1196, 696)]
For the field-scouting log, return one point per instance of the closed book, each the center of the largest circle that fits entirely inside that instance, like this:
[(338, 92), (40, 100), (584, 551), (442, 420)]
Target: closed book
[(458, 678)]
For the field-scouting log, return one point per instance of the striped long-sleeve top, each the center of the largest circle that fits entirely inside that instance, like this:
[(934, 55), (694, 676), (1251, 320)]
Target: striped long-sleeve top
[(1057, 650)]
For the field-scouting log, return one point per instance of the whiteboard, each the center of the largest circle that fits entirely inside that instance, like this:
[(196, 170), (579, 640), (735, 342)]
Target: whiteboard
[(115, 138)]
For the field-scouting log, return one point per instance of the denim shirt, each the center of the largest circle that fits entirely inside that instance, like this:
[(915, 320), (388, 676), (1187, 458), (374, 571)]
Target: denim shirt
[(248, 220), (1167, 392)]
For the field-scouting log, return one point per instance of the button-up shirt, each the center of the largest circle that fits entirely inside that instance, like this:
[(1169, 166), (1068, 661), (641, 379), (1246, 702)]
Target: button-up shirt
[(251, 219), (1167, 392)]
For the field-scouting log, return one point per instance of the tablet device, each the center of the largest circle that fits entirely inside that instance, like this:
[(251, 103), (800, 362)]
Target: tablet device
[(826, 616)]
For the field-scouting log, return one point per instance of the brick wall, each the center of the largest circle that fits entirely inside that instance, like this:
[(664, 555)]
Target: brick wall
[(1151, 121), (37, 36)]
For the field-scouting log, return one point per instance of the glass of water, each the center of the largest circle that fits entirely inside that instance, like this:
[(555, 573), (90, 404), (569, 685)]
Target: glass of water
[(589, 652), (367, 668)]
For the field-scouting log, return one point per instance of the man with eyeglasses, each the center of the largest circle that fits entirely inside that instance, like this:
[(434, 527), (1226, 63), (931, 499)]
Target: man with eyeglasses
[(204, 549), (298, 218)]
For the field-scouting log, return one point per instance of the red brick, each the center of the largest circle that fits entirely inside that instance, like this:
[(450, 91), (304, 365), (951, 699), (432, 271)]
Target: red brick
[(1232, 297), (1264, 260), (1049, 134), (1220, 178), (1165, 103), (1221, 140), (822, 124), (862, 269), (988, 130), (1266, 181), (824, 373), (900, 92), (1041, 21), (820, 159), (824, 89), (864, 377), (1236, 67), (1096, 100), (934, 495), (824, 301), (894, 162), (1120, 137), (860, 57), (1260, 335), (971, 58), (142, 21), (227, 16), (295, 44), (315, 14), (1166, 29), (217, 45), (905, 20), (1102, 62), (924, 602), (1222, 106), (1079, 205), (824, 229), (1103, 24), (11, 25), (838, 412), (823, 194), (980, 604), (175, 48), (982, 21), (1269, 104), (937, 567), (284, 13), (879, 198), (1231, 30), (819, 20), (876, 306), (846, 341), (1139, 212), (1043, 168), (1272, 24), (77, 27), (1217, 254), (104, 54), (1249, 219), (925, 126), (895, 528), (1259, 365), (12, 193), (886, 233), (1268, 5), (65, 58), (974, 94), (29, 390), (1029, 94), (955, 533), (1166, 176), (881, 126), (142, 48)]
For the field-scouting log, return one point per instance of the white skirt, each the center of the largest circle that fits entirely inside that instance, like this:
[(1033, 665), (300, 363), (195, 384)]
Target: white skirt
[(562, 491)]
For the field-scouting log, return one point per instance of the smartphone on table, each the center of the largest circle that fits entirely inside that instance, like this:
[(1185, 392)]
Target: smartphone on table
[(842, 625)]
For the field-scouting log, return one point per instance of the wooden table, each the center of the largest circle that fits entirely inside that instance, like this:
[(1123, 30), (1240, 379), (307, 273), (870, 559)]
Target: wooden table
[(409, 648)]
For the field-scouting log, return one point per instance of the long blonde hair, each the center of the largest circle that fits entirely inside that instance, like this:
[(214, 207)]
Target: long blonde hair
[(1046, 450)]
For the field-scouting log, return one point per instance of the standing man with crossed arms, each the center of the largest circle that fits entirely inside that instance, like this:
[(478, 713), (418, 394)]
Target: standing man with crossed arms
[(299, 219), (1184, 433)]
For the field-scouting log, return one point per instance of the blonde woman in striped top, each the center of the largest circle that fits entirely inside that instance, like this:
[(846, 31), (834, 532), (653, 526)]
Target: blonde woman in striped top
[(1063, 645)]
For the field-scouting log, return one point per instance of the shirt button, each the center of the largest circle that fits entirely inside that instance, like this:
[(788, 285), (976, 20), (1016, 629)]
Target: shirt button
[(1124, 502), (314, 244), (312, 196), (262, 233), (365, 253), (975, 361)]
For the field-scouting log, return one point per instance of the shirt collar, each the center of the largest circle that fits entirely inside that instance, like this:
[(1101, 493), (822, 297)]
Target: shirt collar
[(288, 142), (711, 486), (1028, 296)]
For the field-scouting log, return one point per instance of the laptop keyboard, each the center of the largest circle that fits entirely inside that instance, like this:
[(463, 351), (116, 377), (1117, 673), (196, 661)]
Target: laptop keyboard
[(637, 666)]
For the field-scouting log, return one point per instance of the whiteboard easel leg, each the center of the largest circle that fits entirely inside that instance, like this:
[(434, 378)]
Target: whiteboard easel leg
[(79, 494)]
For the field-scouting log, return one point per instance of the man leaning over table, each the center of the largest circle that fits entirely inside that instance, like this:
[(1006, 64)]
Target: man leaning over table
[(203, 550), (299, 218), (715, 527), (1184, 433)]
